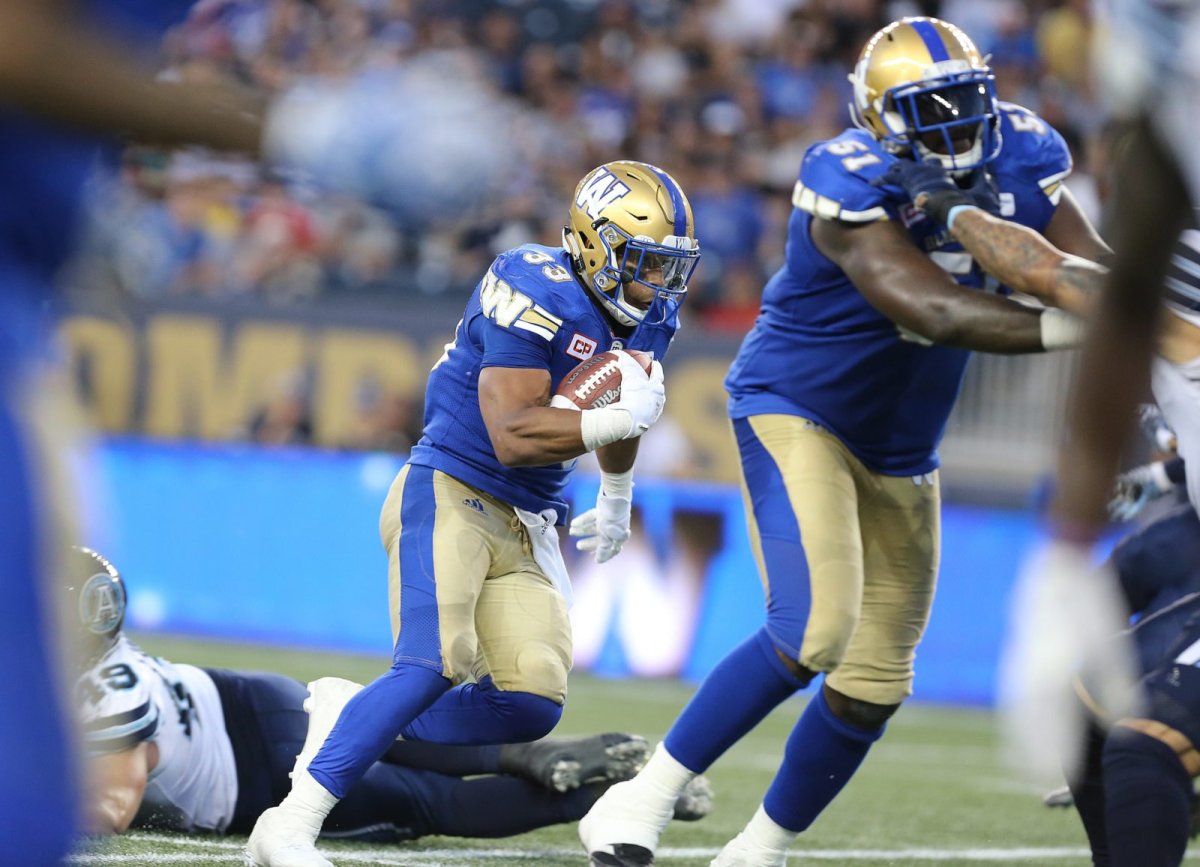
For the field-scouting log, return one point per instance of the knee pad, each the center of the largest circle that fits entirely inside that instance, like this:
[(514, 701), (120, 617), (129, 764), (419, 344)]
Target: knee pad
[(537, 668), (860, 714)]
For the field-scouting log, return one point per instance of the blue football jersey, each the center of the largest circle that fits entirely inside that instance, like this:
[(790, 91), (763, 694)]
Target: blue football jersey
[(528, 311), (820, 350)]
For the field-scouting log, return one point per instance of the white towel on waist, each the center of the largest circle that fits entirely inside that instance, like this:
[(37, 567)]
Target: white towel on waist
[(543, 535)]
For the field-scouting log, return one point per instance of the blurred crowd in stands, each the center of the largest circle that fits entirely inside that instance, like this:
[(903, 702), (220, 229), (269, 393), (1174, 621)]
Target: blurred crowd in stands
[(724, 94)]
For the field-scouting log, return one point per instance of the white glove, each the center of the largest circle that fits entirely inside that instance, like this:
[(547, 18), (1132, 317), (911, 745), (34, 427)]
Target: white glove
[(605, 528), (1067, 621), (1137, 487), (642, 396)]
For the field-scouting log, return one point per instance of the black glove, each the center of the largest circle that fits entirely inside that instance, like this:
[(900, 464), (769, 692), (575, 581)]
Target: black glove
[(983, 193), (929, 187)]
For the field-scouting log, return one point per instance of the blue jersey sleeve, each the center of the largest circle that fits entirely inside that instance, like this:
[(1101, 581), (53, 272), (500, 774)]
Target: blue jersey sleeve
[(1036, 147), (835, 180), (516, 328)]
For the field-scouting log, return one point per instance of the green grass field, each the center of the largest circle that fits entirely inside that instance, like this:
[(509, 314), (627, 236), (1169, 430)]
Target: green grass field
[(931, 793)]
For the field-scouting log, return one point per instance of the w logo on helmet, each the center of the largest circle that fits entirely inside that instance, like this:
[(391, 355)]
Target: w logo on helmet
[(598, 192)]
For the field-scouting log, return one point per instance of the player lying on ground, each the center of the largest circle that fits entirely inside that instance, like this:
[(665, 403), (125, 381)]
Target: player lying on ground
[(839, 397), (208, 750), (1134, 786)]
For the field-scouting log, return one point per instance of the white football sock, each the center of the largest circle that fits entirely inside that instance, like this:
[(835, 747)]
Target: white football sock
[(764, 831), (309, 801), (665, 775)]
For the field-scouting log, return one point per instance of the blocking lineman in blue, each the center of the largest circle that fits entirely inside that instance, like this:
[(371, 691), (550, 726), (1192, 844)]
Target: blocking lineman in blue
[(477, 584), (839, 397)]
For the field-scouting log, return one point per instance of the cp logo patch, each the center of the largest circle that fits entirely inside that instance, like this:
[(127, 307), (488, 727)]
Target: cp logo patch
[(581, 347)]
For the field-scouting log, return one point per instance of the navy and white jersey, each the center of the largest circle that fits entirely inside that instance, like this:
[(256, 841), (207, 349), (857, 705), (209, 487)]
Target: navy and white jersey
[(129, 697), (820, 350), (528, 311), (1182, 285)]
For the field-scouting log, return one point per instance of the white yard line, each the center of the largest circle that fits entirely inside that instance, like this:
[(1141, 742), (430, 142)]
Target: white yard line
[(227, 852)]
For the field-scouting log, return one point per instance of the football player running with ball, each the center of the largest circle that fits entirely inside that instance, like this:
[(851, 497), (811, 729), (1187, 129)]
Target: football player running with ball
[(477, 584), (839, 397)]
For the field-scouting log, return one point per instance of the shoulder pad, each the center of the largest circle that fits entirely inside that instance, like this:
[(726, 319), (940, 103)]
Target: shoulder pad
[(521, 290), (835, 179), (118, 709), (1034, 149)]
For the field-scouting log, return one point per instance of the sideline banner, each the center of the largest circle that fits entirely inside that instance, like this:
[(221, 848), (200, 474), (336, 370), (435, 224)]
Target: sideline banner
[(202, 371)]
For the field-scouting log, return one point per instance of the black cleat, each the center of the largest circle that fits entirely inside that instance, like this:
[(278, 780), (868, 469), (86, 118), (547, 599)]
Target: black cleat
[(563, 764), (622, 855), (695, 801)]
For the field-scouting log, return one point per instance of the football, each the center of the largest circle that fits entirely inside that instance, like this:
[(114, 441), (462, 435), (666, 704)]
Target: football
[(595, 382)]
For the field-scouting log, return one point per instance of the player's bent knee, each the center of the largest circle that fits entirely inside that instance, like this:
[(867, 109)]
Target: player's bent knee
[(782, 650), (860, 714), (529, 716), (801, 673), (1123, 744), (822, 640)]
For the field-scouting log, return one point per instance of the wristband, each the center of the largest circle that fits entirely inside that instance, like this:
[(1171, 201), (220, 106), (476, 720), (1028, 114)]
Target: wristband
[(1060, 330), (617, 485), (600, 427), (953, 212)]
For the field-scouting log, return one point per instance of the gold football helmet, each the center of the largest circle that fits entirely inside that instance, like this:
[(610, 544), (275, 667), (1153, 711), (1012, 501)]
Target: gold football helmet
[(920, 85), (631, 223)]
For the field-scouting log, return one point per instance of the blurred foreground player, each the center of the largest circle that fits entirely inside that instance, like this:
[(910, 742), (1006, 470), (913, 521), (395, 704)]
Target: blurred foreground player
[(66, 84), (207, 750), (478, 585), (839, 398), (53, 66)]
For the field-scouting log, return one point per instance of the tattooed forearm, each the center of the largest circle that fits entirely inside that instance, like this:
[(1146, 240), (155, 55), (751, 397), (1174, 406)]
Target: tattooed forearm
[(1022, 259), (1076, 282), (1013, 254)]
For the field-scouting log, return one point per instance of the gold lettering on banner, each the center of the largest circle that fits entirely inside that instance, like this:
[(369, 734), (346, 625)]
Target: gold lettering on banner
[(105, 352), (194, 389), (195, 376), (702, 414), (349, 363)]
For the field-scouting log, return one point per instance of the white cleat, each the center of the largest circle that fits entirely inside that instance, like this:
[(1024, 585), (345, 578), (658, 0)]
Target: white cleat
[(280, 839), (623, 826), (739, 852), (326, 698)]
